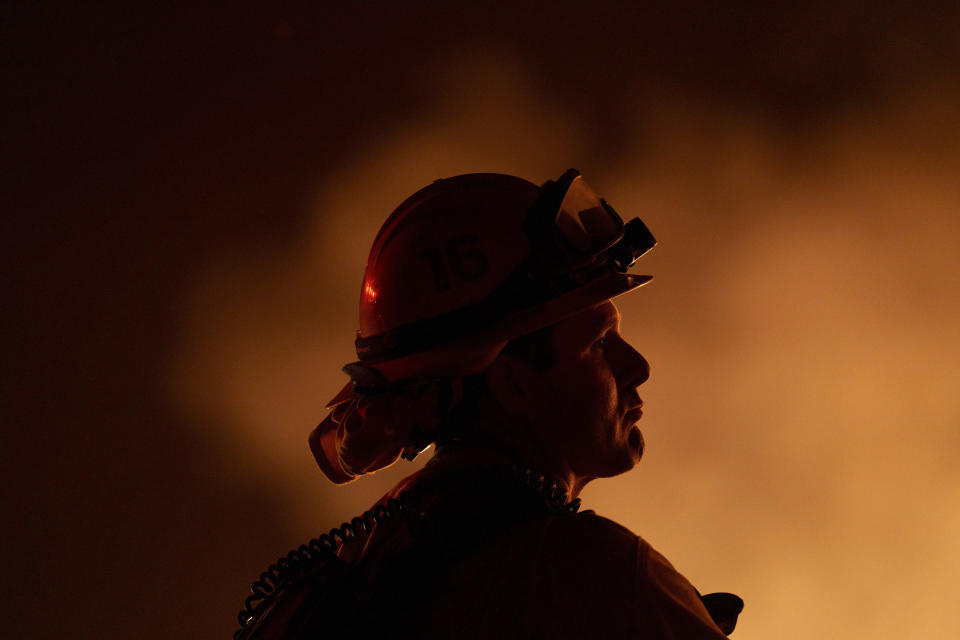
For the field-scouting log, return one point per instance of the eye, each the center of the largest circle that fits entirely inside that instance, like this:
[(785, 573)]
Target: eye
[(601, 343)]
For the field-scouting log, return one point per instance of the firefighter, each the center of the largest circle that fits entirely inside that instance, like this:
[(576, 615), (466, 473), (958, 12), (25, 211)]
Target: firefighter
[(488, 327)]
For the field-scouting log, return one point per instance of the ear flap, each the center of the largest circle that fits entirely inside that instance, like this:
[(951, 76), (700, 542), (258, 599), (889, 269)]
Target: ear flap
[(345, 394)]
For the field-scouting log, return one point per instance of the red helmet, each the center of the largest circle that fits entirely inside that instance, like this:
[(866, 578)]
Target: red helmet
[(457, 270), (470, 262)]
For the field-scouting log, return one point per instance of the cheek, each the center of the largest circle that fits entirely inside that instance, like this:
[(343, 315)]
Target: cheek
[(588, 395), (598, 382)]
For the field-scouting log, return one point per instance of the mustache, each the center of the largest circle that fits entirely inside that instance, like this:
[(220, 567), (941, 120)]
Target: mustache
[(630, 399)]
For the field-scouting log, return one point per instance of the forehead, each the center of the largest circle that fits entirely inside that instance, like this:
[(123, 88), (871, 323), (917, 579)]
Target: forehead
[(588, 323)]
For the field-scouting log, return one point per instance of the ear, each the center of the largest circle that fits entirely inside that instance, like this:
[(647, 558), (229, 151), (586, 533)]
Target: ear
[(512, 384)]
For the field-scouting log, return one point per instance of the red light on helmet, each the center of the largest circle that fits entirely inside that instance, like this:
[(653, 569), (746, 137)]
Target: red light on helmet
[(575, 238)]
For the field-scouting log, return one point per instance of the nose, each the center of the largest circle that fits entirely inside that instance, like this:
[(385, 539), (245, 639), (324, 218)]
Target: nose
[(640, 369), (634, 369)]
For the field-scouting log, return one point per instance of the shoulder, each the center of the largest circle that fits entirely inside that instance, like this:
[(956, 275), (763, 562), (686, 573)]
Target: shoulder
[(584, 571), (608, 542), (634, 574), (590, 530), (593, 547)]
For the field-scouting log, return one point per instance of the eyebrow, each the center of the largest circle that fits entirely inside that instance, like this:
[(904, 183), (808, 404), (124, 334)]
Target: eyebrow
[(603, 324)]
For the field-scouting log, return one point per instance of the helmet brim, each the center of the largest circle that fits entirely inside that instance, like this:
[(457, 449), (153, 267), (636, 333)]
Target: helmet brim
[(474, 353)]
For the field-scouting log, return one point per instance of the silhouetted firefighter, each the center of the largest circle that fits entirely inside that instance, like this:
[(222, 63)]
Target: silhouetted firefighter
[(487, 327)]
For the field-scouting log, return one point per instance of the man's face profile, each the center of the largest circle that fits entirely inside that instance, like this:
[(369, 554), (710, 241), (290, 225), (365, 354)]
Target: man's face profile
[(586, 404)]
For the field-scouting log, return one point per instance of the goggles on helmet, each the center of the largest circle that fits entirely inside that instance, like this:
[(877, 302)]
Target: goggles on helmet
[(574, 232), (576, 237)]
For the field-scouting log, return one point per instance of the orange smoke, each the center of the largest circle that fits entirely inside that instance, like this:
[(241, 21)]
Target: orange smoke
[(802, 414)]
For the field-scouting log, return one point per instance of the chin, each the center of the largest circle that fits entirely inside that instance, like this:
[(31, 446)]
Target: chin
[(636, 443), (619, 456)]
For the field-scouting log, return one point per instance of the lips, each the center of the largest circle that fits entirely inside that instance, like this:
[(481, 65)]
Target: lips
[(634, 414)]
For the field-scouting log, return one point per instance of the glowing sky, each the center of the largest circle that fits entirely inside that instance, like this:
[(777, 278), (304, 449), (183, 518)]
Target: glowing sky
[(802, 415)]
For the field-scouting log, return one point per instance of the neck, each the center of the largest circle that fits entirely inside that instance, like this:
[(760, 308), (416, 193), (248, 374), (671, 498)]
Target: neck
[(483, 446)]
